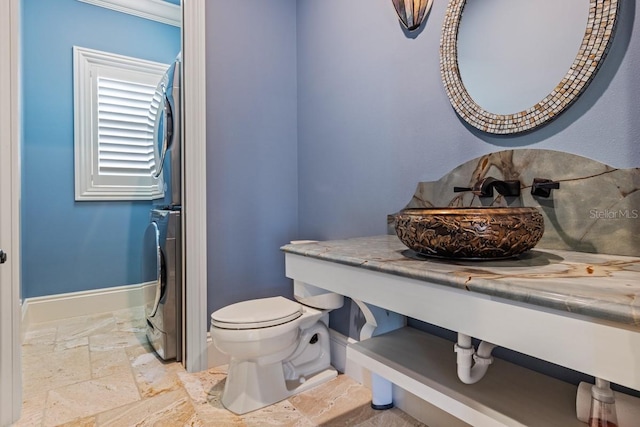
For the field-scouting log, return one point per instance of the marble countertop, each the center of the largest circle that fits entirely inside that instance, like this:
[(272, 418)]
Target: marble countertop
[(597, 285)]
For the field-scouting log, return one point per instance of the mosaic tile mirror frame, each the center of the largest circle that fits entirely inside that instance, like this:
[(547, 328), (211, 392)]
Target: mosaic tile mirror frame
[(595, 44)]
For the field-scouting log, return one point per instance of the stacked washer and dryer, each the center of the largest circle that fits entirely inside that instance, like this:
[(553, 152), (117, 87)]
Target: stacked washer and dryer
[(162, 245)]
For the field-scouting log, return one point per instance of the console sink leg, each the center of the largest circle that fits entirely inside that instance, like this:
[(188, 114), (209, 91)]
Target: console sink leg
[(382, 394), (378, 320)]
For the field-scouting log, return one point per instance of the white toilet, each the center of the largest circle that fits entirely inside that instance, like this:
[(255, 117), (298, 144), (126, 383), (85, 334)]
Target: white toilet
[(277, 347)]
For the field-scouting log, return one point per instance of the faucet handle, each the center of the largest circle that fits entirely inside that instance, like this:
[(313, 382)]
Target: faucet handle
[(461, 189), (542, 187), (484, 187), (508, 188)]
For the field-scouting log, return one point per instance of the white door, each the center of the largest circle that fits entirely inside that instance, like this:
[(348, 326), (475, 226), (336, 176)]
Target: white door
[(10, 368)]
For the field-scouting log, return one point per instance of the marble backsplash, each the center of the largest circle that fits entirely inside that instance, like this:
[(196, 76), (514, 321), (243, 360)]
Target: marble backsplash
[(596, 209)]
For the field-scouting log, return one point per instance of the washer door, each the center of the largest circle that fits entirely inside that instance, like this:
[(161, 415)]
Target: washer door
[(153, 269)]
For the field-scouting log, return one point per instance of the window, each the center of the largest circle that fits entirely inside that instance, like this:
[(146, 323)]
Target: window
[(114, 111)]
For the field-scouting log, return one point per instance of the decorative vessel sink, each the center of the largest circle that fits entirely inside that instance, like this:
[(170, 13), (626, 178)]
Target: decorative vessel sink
[(473, 233)]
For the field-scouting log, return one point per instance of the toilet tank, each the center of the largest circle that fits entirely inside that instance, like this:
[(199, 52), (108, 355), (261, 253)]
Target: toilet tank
[(312, 296), (315, 297)]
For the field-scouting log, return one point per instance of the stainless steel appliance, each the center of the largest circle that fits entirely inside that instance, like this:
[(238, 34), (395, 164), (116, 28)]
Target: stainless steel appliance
[(168, 137), (162, 266), (162, 251)]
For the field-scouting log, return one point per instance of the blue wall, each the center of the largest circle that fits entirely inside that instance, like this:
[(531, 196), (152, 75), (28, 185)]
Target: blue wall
[(71, 246)]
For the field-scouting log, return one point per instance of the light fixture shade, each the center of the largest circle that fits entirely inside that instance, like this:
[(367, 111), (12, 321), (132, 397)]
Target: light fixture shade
[(412, 12)]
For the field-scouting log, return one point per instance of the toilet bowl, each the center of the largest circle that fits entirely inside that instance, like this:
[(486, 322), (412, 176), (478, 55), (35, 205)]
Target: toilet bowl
[(277, 347)]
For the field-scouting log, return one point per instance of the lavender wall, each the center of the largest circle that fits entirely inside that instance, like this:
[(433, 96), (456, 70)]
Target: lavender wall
[(252, 189), (323, 115), (374, 119)]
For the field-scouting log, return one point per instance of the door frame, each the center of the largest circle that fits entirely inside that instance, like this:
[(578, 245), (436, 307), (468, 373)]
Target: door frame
[(10, 352), (194, 311)]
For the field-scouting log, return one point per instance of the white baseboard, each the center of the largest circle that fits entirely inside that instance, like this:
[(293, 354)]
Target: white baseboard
[(63, 306), (419, 409), (339, 360)]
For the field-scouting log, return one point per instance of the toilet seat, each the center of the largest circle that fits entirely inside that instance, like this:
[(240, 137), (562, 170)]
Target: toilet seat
[(257, 313)]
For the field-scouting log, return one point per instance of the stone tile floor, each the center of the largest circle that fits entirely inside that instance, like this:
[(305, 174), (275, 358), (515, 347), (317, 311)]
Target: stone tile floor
[(100, 371)]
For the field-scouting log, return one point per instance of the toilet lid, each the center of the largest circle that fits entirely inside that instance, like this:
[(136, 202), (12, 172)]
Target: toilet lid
[(257, 313)]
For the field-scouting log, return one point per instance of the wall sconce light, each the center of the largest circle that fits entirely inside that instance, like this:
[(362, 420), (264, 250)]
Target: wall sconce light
[(412, 12)]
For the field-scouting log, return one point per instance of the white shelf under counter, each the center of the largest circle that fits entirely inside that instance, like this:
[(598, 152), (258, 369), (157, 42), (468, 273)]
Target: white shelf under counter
[(573, 309), (508, 395)]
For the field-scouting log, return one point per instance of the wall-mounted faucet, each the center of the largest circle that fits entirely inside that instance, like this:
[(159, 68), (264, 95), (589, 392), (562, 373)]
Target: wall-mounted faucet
[(542, 187), (484, 188)]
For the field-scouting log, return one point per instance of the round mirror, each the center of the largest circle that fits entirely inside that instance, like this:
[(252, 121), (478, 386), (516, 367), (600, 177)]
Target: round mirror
[(509, 66)]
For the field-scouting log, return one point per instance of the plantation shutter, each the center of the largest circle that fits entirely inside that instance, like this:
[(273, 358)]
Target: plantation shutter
[(115, 107), (126, 114)]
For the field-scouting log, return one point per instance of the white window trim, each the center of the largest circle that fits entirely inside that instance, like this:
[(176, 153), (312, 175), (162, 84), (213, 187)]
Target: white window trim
[(156, 10), (87, 61)]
